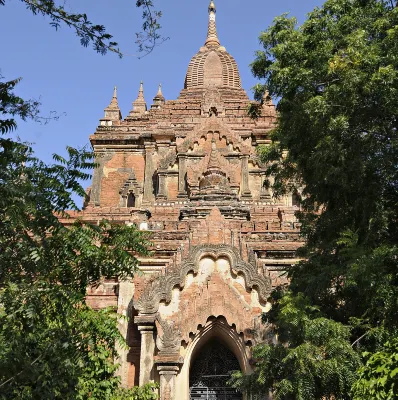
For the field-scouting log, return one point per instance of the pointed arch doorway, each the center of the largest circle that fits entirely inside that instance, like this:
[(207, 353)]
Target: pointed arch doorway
[(210, 371)]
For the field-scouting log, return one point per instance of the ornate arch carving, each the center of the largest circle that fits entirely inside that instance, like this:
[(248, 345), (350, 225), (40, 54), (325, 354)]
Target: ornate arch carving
[(195, 171), (212, 125), (161, 287)]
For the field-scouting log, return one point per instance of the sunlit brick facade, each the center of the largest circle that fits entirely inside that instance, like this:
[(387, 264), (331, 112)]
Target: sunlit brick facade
[(187, 170)]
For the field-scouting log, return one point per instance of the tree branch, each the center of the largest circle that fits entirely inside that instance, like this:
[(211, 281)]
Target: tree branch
[(83, 27), (19, 373), (360, 338), (151, 26)]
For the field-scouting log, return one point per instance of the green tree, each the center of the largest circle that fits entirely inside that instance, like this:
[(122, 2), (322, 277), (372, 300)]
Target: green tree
[(146, 392), (52, 345), (90, 33), (336, 78), (378, 378), (313, 358)]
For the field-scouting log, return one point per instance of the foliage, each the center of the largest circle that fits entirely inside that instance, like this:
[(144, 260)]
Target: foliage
[(146, 392), (336, 142), (317, 363), (13, 105), (378, 379), (149, 37), (52, 345), (95, 34)]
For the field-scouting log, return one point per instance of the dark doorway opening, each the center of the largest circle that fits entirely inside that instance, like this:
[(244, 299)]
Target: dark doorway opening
[(210, 371), (296, 199), (131, 200)]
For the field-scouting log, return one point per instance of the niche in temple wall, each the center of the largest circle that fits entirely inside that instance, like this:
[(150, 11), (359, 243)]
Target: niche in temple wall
[(255, 182), (172, 186)]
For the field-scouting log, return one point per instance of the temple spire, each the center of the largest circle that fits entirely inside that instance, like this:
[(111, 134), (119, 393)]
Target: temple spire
[(114, 104), (267, 100), (212, 37), (112, 112), (139, 105), (141, 92), (159, 99), (159, 93)]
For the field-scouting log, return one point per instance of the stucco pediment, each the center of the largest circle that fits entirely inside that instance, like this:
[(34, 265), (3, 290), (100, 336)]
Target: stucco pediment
[(161, 288), (196, 170), (212, 125)]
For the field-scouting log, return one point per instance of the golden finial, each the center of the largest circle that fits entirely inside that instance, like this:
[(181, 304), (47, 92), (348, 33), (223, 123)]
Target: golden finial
[(212, 37), (212, 6)]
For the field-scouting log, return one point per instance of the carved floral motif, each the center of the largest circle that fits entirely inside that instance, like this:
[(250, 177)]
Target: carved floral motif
[(160, 289)]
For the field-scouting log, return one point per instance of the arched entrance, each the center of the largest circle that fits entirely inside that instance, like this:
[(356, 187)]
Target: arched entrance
[(212, 295), (210, 372)]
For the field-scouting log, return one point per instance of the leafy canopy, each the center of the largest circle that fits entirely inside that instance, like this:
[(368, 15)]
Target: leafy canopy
[(318, 363), (52, 345), (96, 34), (336, 78), (378, 379)]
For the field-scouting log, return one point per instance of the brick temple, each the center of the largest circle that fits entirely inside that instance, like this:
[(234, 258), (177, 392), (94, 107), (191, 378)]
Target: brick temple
[(187, 170)]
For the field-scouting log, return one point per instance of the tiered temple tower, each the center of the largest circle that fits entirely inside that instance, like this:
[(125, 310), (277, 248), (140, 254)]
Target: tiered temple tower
[(187, 170)]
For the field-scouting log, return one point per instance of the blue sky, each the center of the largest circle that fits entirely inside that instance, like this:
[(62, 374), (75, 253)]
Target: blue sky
[(77, 82)]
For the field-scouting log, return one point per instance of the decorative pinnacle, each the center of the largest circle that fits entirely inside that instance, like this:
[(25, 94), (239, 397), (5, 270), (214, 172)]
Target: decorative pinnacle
[(212, 6), (114, 104), (159, 93), (267, 100), (112, 112), (158, 100), (212, 37), (141, 91), (139, 105)]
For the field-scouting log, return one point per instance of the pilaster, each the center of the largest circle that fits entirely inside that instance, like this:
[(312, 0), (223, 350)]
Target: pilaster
[(182, 170), (246, 194), (168, 373), (146, 326), (101, 159), (149, 170), (162, 193)]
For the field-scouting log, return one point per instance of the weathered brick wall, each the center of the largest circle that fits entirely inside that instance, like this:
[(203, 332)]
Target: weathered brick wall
[(193, 168)]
